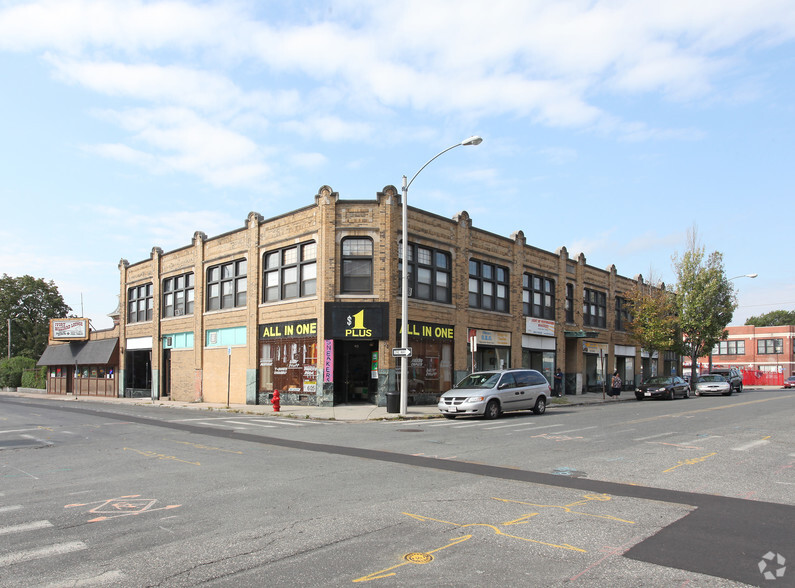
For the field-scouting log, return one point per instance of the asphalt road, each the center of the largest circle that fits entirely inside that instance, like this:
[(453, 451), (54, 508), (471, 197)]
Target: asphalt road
[(697, 492)]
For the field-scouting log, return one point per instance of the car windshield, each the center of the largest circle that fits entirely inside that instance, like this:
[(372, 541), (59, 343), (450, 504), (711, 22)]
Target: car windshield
[(479, 380), (659, 380), (712, 378)]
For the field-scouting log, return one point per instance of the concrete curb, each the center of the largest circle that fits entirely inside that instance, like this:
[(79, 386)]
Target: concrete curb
[(346, 413)]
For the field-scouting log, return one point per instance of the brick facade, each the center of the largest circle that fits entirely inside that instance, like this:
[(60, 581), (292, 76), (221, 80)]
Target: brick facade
[(233, 350), (765, 363)]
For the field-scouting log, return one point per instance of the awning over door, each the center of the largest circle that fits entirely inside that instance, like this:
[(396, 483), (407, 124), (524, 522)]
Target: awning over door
[(80, 353)]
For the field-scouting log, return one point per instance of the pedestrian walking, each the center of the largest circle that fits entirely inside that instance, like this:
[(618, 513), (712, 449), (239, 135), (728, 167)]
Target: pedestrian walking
[(558, 383), (615, 385)]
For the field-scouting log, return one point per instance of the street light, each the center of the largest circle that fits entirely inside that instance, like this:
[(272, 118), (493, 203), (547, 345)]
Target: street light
[(404, 305)]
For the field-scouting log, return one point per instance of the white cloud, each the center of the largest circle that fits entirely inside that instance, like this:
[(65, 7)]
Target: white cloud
[(329, 128), (349, 74), (182, 141)]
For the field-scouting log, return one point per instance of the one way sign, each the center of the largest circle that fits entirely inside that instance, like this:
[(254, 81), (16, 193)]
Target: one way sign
[(401, 352)]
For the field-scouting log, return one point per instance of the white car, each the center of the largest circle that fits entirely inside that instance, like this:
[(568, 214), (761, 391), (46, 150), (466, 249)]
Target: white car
[(491, 393), (712, 384)]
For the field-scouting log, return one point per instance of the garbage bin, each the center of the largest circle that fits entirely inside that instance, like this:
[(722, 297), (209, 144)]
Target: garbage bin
[(393, 402)]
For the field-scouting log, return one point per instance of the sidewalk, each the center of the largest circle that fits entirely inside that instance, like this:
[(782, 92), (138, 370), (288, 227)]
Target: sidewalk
[(345, 412)]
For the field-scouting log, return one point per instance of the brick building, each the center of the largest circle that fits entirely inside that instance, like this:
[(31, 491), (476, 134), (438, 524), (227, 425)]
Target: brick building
[(308, 303), (766, 355)]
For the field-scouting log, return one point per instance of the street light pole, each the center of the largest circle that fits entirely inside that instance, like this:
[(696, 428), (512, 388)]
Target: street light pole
[(404, 280)]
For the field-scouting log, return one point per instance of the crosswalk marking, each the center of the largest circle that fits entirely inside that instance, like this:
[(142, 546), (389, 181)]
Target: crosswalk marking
[(751, 445), (40, 552), (25, 527), (103, 579), (250, 423), (574, 430), (656, 436), (9, 507)]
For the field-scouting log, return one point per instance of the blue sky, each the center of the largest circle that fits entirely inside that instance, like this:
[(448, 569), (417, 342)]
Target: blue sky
[(610, 128)]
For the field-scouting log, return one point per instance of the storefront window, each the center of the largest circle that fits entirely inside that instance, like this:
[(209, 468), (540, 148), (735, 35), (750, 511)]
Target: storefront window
[(288, 357), (430, 367)]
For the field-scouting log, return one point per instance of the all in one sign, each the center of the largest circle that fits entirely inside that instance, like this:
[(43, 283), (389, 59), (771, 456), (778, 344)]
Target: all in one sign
[(289, 330)]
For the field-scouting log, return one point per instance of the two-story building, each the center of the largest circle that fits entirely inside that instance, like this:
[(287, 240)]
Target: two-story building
[(308, 303)]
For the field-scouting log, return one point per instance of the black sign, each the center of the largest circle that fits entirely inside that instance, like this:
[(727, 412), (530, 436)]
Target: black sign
[(355, 321), (289, 329)]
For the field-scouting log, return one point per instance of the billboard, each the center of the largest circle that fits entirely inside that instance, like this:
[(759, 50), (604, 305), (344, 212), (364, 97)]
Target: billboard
[(71, 329)]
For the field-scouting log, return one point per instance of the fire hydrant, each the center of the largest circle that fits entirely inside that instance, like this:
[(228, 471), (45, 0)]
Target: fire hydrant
[(276, 401)]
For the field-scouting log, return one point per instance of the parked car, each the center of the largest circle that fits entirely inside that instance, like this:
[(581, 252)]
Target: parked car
[(789, 382), (733, 375), (668, 387), (712, 384), (491, 393)]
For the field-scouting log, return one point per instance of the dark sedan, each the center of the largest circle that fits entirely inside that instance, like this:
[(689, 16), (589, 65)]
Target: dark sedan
[(663, 387)]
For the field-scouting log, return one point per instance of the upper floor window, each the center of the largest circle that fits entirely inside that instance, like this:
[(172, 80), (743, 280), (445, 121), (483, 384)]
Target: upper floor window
[(357, 265), (769, 346), (290, 272), (140, 303), (178, 295), (623, 315), (569, 303), (488, 286), (226, 285), (538, 296), (428, 273), (594, 308), (729, 348)]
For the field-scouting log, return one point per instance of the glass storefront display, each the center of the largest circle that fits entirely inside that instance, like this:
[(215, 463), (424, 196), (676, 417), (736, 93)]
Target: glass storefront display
[(288, 358)]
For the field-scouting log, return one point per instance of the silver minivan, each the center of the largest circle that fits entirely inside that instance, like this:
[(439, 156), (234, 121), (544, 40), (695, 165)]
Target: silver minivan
[(491, 393)]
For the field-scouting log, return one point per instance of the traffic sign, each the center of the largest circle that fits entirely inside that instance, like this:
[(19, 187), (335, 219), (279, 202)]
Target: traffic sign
[(401, 352)]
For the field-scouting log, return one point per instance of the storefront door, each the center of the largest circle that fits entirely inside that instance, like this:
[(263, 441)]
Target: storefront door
[(352, 371)]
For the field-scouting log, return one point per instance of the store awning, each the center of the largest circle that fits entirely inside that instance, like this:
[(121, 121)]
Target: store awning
[(580, 334), (79, 353)]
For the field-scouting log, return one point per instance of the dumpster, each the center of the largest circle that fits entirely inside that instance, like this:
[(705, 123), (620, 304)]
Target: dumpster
[(393, 402)]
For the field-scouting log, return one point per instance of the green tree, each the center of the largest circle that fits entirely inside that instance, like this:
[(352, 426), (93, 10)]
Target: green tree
[(29, 303), (705, 299), (775, 318), (653, 324), (11, 371)]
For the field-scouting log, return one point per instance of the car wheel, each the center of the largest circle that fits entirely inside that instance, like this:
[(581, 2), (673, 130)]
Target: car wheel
[(541, 405), (492, 410), (740, 389), (687, 393), (729, 393), (670, 395), (449, 416), (638, 397)]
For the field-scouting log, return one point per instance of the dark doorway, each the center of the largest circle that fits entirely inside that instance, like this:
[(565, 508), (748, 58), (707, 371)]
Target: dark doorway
[(166, 373), (352, 365), (138, 376)]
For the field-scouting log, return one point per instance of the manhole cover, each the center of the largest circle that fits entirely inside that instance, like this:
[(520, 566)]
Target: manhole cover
[(418, 558)]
